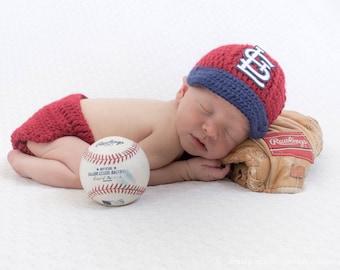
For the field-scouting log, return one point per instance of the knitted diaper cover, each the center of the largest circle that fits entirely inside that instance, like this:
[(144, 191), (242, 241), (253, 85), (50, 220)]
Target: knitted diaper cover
[(58, 119)]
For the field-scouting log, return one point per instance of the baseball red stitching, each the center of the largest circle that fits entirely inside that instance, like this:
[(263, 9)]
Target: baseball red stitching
[(116, 188), (115, 158)]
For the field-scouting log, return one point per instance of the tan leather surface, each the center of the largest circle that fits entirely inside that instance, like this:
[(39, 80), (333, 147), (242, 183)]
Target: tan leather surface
[(279, 162)]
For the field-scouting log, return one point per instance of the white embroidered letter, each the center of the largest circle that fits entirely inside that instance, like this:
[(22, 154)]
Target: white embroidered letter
[(256, 57)]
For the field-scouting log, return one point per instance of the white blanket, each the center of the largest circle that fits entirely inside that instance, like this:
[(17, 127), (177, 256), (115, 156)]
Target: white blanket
[(49, 49)]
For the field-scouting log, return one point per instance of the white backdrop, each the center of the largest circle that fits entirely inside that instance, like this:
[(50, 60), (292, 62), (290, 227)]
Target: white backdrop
[(49, 49)]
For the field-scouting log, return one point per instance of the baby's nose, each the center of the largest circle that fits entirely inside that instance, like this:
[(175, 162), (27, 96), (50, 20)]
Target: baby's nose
[(211, 130)]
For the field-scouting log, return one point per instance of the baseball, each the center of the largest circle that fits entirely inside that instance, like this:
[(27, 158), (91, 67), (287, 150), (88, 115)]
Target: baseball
[(114, 171)]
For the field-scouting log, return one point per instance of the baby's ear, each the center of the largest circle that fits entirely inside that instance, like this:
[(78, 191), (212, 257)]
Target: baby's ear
[(184, 88)]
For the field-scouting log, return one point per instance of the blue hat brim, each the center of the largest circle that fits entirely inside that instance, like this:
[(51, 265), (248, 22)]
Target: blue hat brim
[(234, 91)]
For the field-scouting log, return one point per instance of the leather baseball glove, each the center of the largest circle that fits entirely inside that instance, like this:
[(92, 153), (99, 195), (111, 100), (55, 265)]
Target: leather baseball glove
[(279, 162)]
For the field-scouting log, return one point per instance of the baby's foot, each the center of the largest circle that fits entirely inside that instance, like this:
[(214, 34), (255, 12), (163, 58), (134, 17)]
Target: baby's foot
[(15, 159)]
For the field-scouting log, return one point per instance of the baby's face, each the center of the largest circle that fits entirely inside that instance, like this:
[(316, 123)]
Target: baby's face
[(208, 125)]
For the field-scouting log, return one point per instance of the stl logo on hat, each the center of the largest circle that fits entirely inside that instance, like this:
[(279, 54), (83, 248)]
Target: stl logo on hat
[(251, 56), (248, 78)]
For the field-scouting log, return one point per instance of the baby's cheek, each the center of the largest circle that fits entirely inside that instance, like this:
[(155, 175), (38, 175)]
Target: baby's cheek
[(219, 151), (226, 148)]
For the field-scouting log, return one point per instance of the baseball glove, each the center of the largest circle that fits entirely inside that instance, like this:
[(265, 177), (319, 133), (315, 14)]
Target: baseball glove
[(279, 162)]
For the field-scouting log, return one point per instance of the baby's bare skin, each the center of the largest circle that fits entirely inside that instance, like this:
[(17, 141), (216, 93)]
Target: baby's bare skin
[(151, 123), (197, 121)]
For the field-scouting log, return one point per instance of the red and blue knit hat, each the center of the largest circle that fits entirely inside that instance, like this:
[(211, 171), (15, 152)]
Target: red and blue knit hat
[(247, 77)]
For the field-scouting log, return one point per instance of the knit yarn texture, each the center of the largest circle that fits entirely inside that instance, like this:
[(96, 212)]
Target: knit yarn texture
[(58, 119), (247, 77)]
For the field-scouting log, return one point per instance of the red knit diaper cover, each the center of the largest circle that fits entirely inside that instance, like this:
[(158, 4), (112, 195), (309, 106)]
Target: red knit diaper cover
[(58, 119)]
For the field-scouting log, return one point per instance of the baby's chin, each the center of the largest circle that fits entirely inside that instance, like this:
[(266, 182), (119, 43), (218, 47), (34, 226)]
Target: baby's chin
[(205, 155)]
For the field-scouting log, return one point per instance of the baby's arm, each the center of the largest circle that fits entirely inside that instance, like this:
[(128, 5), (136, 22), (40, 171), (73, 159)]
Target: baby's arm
[(162, 149), (192, 169)]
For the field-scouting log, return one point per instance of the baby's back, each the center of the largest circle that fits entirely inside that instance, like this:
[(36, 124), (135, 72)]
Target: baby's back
[(130, 118)]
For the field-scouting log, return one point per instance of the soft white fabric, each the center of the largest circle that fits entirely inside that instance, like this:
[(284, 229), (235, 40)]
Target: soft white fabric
[(49, 49)]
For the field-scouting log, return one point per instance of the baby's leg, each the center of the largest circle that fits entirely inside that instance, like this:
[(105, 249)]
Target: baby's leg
[(55, 163)]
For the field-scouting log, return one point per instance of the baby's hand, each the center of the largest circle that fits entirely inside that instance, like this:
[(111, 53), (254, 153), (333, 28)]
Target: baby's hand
[(206, 169)]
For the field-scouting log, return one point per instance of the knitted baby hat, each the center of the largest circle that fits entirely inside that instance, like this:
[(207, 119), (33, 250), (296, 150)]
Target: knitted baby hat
[(247, 77)]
